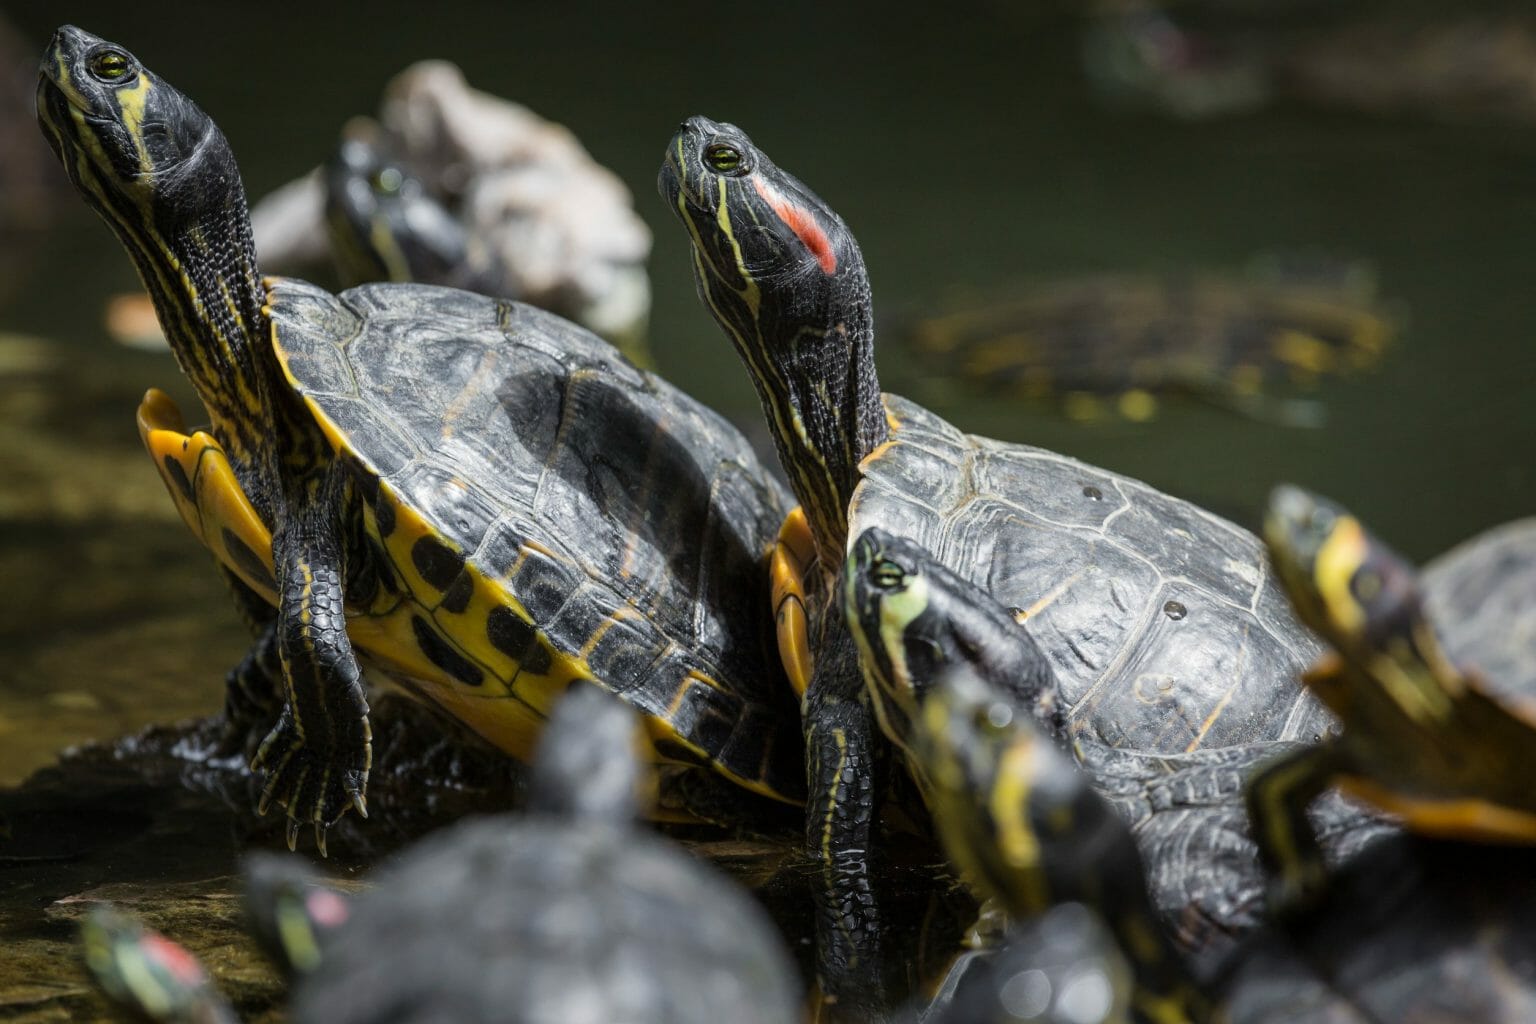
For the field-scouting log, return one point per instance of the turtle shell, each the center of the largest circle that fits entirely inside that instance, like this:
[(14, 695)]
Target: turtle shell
[(531, 509), (1166, 630), (1481, 596), (546, 921)]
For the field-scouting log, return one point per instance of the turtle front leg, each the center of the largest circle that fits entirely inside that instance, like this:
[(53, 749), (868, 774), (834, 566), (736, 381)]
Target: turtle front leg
[(318, 754), (840, 810), (1277, 797)]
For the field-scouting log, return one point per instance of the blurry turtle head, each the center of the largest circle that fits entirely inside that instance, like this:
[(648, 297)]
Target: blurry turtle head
[(1344, 583), (588, 763)]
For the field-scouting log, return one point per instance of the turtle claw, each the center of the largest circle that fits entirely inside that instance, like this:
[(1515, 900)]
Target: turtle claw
[(308, 783)]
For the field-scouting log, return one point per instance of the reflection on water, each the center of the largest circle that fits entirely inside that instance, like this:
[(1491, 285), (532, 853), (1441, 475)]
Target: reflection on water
[(113, 616)]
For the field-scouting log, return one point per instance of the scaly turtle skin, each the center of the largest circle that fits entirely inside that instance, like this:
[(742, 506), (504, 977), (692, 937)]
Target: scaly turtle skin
[(1159, 620), (1416, 930), (477, 499), (1115, 343), (1445, 749), (918, 621)]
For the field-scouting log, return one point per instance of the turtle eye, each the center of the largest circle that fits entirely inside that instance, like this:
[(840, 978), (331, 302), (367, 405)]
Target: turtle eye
[(723, 158), (1366, 585), (386, 181), (110, 65), (887, 575)]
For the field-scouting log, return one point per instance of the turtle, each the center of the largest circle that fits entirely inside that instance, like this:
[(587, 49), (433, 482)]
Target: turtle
[(384, 223), (1110, 344), (1115, 579), (1417, 930), (566, 912), (919, 621), (1026, 828), (1427, 737), (476, 499)]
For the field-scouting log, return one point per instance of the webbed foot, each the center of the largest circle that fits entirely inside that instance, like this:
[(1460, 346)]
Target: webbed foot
[(317, 785)]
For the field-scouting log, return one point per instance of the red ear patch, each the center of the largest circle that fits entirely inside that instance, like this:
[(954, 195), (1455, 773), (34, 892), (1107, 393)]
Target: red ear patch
[(803, 224)]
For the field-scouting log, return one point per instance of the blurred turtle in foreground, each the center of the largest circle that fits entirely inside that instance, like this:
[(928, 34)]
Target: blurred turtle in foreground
[(1116, 344), (1428, 736), (1411, 930), (570, 913)]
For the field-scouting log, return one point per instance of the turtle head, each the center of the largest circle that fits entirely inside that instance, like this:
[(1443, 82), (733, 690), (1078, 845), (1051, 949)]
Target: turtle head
[(384, 223), (587, 765), (1344, 583), (784, 278), (293, 911), (162, 175), (913, 620), (138, 150), (1026, 828), (759, 235), (1012, 810)]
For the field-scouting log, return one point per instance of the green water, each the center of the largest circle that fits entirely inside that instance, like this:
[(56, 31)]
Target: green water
[(963, 148)]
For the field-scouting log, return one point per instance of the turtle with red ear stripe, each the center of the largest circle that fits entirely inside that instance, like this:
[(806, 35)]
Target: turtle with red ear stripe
[(1159, 621)]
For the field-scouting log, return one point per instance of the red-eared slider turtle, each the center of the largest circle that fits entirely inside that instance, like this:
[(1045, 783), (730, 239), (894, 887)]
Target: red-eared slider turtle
[(1415, 930), (1026, 828), (919, 621), (1115, 343), (568, 913), (1160, 621), (1443, 747), (474, 497)]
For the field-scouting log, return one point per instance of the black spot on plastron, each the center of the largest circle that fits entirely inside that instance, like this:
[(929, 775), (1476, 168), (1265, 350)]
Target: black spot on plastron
[(1174, 610), (458, 595), (176, 473), (441, 654), (438, 564), (509, 633), (247, 560), (384, 514), (1093, 493), (537, 660)]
